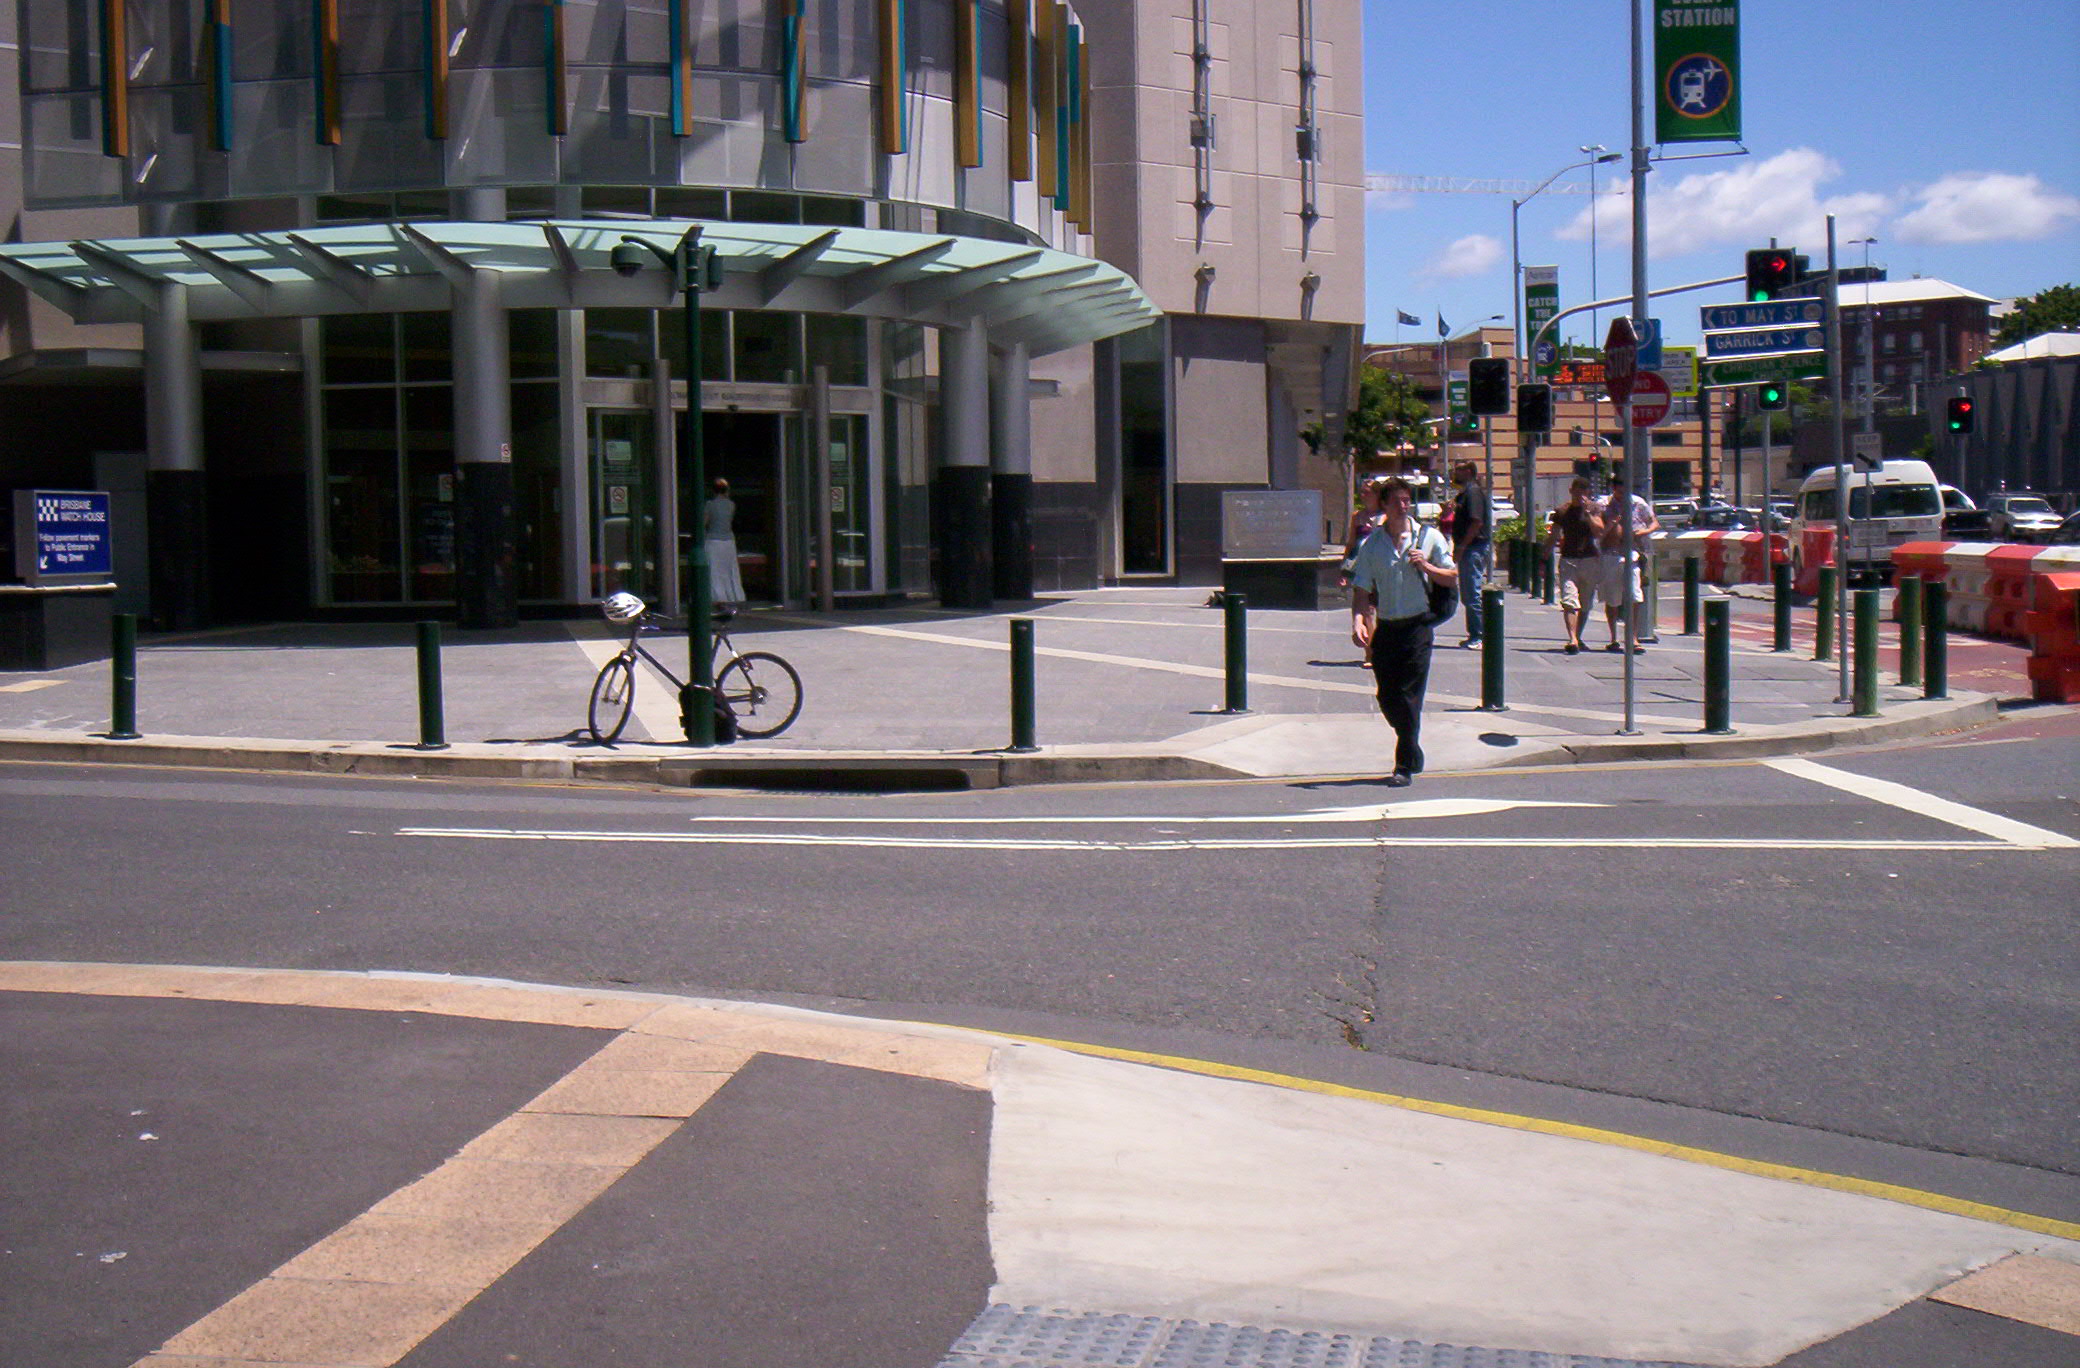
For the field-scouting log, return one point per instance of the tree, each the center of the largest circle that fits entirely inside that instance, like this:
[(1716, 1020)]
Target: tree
[(2054, 310), (1390, 413)]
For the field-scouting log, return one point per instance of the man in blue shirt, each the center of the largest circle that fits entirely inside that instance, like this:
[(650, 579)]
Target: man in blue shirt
[(1390, 614)]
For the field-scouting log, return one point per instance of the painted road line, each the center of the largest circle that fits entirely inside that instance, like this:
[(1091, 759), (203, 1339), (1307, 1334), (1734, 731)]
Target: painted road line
[(30, 685), (1837, 1182), (862, 841), (1927, 804), (1372, 812)]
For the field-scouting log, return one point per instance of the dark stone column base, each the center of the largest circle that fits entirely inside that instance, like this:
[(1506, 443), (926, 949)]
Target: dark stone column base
[(486, 593), (961, 512), (1011, 520), (177, 518)]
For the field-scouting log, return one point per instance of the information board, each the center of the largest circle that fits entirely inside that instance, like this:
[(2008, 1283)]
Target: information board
[(1271, 524), (62, 536)]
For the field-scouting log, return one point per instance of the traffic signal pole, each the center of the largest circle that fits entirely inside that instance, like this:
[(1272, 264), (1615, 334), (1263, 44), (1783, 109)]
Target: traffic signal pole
[(1841, 468), (1635, 438)]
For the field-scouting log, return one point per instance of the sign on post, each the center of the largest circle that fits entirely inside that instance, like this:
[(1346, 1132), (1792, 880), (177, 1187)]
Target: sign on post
[(1620, 358), (1649, 399), (1679, 368), (1697, 53), (1541, 302), (1776, 313), (1753, 370), (62, 536), (1866, 450), (1763, 341)]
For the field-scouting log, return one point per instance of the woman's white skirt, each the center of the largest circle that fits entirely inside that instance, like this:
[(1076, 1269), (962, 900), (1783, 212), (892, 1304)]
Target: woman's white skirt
[(725, 582)]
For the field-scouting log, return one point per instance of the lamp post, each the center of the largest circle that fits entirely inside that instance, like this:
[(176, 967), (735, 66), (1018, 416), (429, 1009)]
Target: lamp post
[(1516, 273), (691, 265), (1596, 150)]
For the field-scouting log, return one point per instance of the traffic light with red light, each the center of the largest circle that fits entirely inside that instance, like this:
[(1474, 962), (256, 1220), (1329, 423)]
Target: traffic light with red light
[(1771, 270), (1959, 414)]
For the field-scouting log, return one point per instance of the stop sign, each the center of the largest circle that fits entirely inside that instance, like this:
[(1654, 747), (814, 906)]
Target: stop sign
[(1620, 358), (1649, 399)]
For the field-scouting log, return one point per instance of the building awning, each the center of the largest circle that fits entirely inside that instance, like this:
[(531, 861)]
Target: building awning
[(1046, 299)]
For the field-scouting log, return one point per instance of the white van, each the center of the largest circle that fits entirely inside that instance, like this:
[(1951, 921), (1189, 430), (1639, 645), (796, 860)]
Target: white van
[(1899, 502)]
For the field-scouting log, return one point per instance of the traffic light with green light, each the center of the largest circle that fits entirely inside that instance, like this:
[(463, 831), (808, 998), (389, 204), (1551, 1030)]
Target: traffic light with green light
[(1772, 394), (1958, 414), (1770, 270)]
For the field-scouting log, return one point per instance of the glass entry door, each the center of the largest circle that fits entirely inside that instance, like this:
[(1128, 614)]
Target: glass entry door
[(624, 503)]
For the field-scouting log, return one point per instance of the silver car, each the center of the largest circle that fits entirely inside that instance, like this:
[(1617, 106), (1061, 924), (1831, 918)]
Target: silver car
[(2021, 517)]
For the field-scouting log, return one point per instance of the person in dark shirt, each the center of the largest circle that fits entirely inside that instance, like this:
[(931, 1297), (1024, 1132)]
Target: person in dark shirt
[(1472, 520), (1578, 528)]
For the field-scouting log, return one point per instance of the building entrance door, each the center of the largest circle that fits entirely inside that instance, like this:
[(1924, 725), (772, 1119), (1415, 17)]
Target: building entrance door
[(748, 450), (624, 503)]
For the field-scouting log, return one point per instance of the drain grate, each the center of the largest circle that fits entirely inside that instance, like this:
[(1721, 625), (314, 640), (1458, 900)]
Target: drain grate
[(1031, 1336)]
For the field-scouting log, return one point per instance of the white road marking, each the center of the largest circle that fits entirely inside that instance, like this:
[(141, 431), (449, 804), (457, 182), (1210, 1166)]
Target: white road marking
[(657, 703), (1928, 805), (1374, 812), (776, 838), (30, 685)]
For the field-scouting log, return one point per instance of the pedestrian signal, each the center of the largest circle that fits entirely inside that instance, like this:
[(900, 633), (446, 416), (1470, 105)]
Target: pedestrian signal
[(1959, 413)]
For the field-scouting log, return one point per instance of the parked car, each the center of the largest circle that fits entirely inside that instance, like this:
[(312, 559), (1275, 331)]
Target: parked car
[(2021, 517), (1505, 509), (1967, 524), (1955, 499), (1726, 518), (1675, 514)]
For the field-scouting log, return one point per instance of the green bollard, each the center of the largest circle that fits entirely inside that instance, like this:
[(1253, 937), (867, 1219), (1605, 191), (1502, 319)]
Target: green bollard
[(1780, 583), (1935, 641), (122, 711), (1823, 619), (1491, 651), (1718, 667), (1022, 701), (1690, 595), (1910, 629), (1549, 568), (1863, 689), (432, 729), (1235, 608), (1650, 587)]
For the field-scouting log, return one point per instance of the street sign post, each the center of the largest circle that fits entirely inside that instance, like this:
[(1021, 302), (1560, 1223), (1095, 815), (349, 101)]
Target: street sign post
[(1753, 370), (1866, 450), (1649, 399), (1779, 313), (1620, 358)]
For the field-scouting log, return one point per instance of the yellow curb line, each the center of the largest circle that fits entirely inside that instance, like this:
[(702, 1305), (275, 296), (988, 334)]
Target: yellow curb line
[(1862, 1187)]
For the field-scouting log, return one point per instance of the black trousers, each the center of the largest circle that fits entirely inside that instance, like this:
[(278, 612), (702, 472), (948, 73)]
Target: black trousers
[(1401, 668)]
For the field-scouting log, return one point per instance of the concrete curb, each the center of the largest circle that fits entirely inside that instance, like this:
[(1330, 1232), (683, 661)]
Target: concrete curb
[(878, 771)]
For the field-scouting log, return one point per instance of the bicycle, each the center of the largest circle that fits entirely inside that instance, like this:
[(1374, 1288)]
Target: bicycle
[(762, 691)]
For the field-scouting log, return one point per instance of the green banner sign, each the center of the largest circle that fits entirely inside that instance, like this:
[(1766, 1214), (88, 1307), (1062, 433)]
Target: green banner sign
[(1697, 52), (1541, 302), (1753, 369)]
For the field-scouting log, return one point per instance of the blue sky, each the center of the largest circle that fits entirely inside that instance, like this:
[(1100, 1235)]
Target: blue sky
[(1950, 133)]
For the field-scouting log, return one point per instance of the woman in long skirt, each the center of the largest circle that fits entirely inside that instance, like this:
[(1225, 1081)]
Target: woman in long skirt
[(725, 582)]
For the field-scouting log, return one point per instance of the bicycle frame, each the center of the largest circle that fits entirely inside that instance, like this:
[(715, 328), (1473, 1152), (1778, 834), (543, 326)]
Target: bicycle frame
[(725, 650)]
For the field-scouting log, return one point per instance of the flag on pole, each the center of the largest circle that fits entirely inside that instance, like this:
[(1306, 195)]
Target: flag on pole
[(1442, 330), (1407, 319)]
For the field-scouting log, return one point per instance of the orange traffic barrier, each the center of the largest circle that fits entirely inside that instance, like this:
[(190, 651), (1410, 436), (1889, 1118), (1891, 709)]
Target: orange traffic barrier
[(2053, 623)]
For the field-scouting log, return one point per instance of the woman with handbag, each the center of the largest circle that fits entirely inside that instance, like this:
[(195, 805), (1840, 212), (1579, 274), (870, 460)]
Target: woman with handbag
[(1403, 583)]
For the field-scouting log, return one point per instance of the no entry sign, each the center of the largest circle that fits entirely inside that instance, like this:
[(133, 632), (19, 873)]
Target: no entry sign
[(1649, 399)]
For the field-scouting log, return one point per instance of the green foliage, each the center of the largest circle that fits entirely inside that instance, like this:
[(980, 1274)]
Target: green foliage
[(1389, 414), (2054, 310)]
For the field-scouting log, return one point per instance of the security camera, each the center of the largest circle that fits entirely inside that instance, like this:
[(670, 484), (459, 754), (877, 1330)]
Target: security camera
[(628, 258)]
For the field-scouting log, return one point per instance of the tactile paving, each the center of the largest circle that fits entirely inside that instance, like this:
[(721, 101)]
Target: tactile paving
[(1031, 1336)]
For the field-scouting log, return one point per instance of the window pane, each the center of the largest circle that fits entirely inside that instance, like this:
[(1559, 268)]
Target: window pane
[(359, 349), (839, 343), (618, 342), (769, 347)]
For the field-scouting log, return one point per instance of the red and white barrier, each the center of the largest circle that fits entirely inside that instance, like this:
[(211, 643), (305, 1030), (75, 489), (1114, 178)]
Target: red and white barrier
[(1723, 557), (1992, 585)]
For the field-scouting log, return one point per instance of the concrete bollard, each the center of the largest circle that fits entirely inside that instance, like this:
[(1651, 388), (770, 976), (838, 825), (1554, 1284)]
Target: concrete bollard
[(1022, 691), (432, 725), (1718, 667), (122, 678)]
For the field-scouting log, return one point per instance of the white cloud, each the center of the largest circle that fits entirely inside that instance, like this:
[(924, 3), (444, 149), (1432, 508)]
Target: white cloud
[(1469, 256), (1985, 206), (1777, 197)]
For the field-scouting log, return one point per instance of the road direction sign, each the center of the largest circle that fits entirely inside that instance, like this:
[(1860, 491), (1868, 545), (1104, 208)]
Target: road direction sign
[(1620, 358), (1866, 450), (1763, 341), (1751, 370), (1779, 313), (1649, 399)]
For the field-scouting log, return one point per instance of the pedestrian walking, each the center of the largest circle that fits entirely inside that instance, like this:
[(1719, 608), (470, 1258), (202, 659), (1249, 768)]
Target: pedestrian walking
[(725, 579), (1473, 517), (1617, 568), (1578, 528), (1364, 518), (1390, 617)]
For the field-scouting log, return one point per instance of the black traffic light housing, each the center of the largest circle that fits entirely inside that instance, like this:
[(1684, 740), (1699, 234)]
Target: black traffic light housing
[(1958, 414), (1487, 385), (1772, 394), (1534, 408), (1771, 270)]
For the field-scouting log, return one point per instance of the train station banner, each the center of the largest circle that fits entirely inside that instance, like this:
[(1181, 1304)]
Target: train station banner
[(1697, 47)]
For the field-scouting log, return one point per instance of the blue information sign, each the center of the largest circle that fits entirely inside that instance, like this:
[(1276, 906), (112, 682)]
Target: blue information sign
[(1762, 341), (62, 534), (1780, 313)]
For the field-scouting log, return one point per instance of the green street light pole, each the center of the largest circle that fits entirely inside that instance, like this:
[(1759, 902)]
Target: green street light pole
[(696, 700)]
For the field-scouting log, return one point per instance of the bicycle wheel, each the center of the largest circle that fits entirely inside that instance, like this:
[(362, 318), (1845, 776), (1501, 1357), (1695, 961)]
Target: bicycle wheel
[(763, 691), (613, 695)]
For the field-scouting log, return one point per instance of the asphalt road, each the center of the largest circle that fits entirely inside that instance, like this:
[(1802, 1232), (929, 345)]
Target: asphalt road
[(1741, 952)]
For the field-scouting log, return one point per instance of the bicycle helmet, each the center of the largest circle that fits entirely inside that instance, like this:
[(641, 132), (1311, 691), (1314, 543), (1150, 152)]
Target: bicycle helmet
[(623, 607)]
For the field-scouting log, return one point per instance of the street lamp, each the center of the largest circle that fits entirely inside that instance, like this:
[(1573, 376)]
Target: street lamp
[(1516, 261), (693, 267), (1595, 150)]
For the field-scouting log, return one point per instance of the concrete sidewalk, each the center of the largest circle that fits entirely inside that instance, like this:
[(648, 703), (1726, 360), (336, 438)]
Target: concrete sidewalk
[(485, 1172), (1131, 686)]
